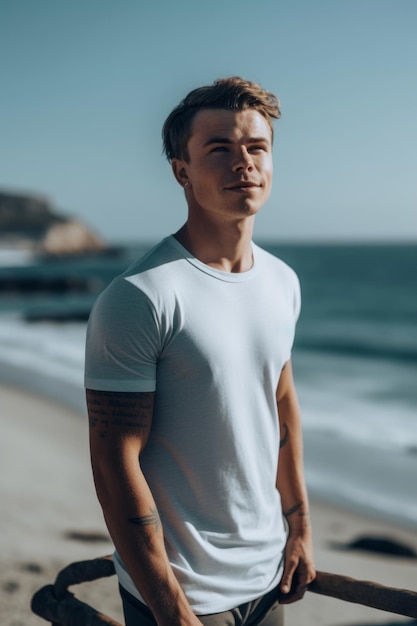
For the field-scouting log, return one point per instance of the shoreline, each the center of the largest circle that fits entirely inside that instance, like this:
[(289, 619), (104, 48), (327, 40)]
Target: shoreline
[(360, 452), (51, 517), (346, 457)]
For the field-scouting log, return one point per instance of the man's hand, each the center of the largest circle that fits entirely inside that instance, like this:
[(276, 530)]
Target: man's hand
[(299, 569)]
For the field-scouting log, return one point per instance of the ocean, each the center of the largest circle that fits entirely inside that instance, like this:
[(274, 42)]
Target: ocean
[(355, 358)]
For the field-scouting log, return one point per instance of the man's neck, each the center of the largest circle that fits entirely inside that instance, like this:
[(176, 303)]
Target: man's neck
[(227, 249)]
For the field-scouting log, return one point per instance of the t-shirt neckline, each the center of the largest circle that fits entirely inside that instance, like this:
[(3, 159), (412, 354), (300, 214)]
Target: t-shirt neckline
[(231, 277)]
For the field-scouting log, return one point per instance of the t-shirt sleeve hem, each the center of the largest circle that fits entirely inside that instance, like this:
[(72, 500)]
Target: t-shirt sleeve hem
[(120, 385)]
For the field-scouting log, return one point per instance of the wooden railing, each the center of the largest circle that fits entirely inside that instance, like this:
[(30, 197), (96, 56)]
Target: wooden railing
[(56, 604)]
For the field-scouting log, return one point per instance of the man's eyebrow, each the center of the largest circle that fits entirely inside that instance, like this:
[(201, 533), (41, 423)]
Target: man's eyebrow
[(259, 140), (219, 139)]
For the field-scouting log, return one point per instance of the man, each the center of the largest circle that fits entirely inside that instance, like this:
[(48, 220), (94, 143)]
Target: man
[(190, 390)]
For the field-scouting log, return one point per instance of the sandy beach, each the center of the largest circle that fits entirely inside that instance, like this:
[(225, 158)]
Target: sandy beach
[(50, 517)]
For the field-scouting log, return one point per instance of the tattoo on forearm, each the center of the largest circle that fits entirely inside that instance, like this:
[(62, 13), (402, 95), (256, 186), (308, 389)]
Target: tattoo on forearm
[(293, 509), (285, 437), (106, 408), (147, 520), (298, 509)]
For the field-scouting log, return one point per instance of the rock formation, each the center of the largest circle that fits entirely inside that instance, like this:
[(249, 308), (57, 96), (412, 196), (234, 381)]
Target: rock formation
[(70, 237), (32, 222)]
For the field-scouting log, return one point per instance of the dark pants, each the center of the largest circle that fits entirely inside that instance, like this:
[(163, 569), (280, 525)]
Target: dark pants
[(264, 611)]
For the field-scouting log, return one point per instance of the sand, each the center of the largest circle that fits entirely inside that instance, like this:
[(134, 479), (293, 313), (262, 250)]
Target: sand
[(47, 495)]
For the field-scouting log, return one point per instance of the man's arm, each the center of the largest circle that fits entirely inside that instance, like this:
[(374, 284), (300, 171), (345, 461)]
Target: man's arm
[(120, 424), (299, 565)]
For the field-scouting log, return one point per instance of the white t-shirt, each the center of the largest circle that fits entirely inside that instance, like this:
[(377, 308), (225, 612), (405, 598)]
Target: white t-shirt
[(211, 344)]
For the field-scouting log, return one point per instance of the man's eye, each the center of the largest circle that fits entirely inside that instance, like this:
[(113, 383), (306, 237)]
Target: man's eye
[(219, 149)]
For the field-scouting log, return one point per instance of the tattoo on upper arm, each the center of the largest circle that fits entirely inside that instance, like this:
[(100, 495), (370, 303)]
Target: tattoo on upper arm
[(147, 520), (107, 408), (284, 439)]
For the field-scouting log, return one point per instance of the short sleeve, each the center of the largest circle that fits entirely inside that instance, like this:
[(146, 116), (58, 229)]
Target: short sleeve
[(123, 341)]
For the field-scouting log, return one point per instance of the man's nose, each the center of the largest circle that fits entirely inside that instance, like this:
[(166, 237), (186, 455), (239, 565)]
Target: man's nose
[(243, 161)]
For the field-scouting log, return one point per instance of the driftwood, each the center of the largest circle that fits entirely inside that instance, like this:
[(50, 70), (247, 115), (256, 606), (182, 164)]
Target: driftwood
[(57, 605), (399, 601), (67, 610)]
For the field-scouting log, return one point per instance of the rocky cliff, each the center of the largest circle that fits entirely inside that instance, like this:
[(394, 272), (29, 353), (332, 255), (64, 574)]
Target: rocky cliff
[(32, 222)]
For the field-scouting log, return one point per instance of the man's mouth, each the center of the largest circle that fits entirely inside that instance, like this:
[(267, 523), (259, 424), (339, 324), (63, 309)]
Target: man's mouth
[(243, 185)]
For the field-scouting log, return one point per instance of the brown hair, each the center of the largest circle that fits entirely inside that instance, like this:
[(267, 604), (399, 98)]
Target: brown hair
[(234, 94)]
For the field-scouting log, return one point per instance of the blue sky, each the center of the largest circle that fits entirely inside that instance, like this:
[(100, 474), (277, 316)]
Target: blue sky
[(87, 84)]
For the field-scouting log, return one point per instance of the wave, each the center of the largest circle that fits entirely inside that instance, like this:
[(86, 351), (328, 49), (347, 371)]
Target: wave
[(351, 474), (45, 359), (362, 337), (368, 401), (407, 353)]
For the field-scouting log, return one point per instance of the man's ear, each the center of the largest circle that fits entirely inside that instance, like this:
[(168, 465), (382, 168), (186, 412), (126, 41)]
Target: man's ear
[(180, 172)]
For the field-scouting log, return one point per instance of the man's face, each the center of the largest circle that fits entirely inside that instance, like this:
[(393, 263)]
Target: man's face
[(230, 163)]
